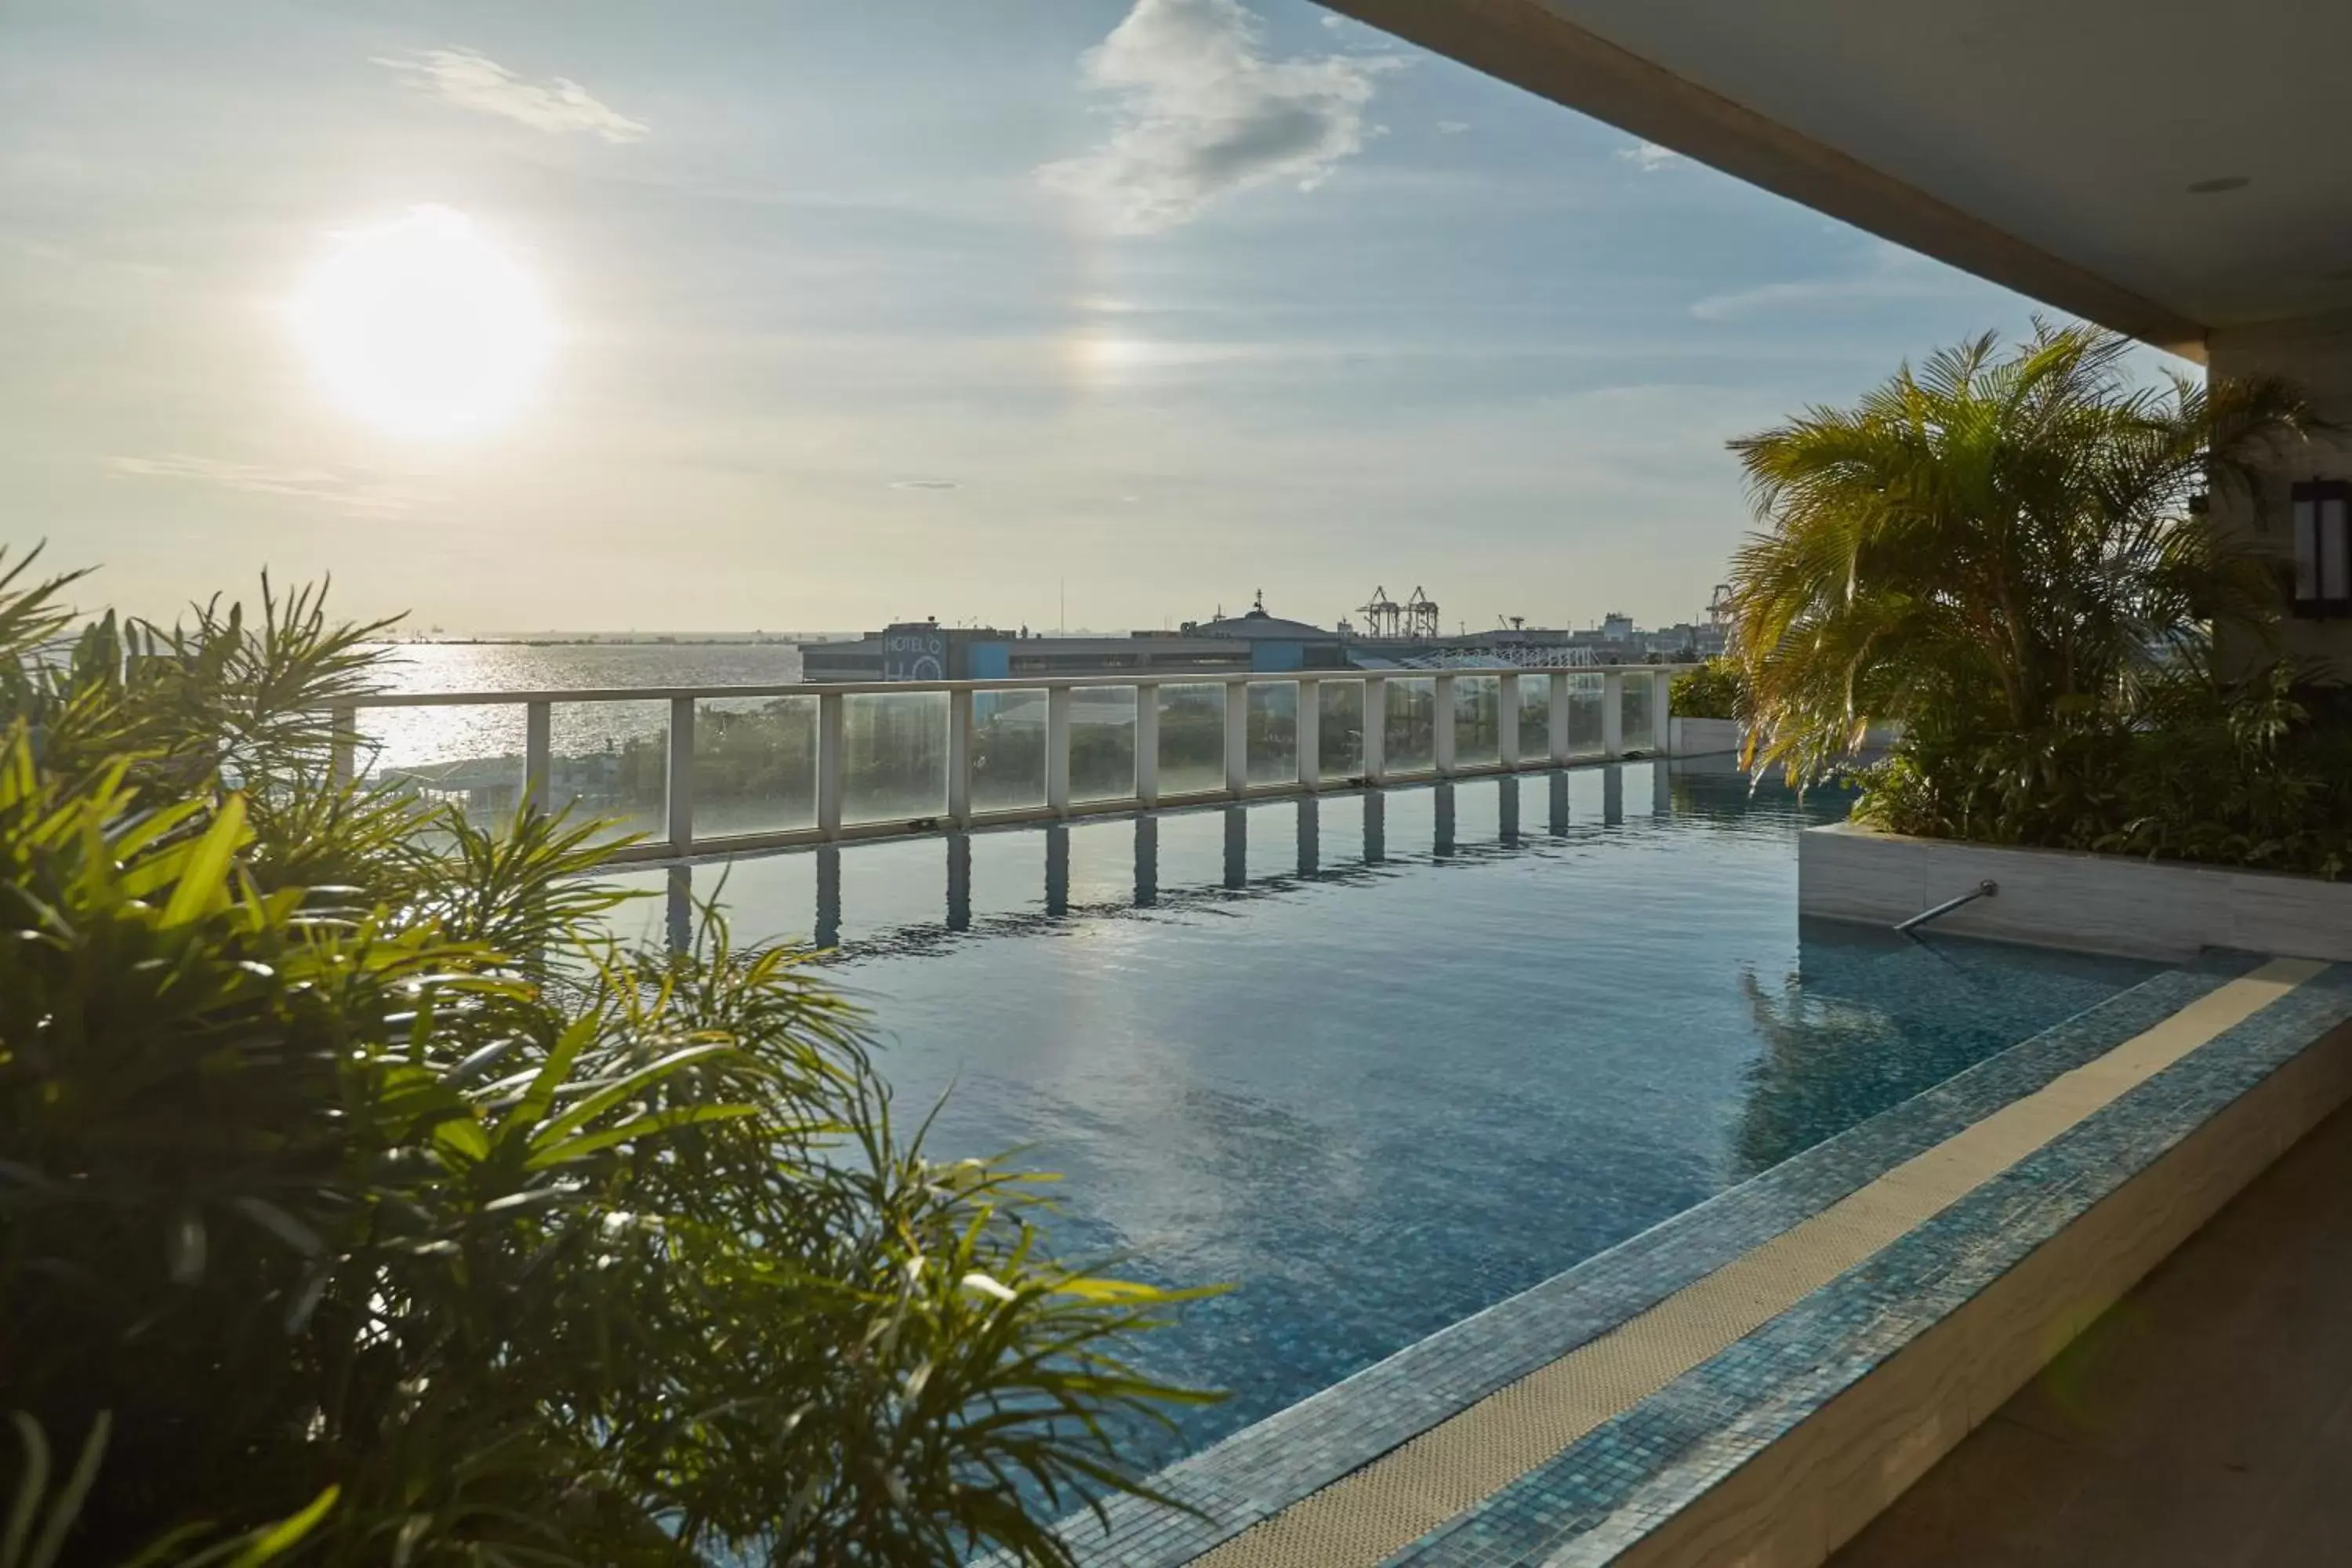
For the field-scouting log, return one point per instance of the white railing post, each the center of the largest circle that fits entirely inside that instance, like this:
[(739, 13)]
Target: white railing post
[(1562, 694), (1308, 731), (1376, 728), (1506, 719), (537, 750), (1147, 743), (344, 748), (1057, 750), (1612, 714), (1237, 736), (1662, 703), (831, 775), (1441, 740), (960, 757), (681, 775)]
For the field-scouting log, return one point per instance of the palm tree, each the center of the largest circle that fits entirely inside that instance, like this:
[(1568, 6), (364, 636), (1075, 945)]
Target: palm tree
[(1992, 544)]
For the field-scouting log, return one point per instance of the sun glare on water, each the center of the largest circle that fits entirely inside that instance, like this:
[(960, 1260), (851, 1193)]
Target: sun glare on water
[(423, 328)]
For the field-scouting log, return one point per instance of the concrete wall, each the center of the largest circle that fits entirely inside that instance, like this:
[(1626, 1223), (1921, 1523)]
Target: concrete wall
[(2096, 903), (2316, 356), (1704, 737), (1701, 737)]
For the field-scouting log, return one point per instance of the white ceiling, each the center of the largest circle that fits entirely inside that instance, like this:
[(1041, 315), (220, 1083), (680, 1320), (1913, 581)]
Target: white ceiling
[(2074, 125)]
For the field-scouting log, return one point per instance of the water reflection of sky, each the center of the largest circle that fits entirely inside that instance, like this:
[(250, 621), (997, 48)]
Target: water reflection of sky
[(1380, 1096)]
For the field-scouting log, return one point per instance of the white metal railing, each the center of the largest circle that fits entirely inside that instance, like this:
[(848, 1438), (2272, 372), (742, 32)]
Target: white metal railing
[(1282, 734)]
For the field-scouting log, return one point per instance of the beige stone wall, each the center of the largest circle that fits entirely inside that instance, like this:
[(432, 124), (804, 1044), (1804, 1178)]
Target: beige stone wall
[(2049, 897), (2316, 356)]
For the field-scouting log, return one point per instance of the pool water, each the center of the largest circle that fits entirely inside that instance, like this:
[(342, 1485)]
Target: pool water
[(1379, 1074)]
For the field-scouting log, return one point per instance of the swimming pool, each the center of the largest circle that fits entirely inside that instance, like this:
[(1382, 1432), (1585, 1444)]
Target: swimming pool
[(1382, 1060)]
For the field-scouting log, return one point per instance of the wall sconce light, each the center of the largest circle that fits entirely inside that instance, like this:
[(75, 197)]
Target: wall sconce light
[(2323, 548)]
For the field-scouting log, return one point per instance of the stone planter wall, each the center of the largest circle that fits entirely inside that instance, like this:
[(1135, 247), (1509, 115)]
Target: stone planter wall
[(1701, 737), (2096, 903)]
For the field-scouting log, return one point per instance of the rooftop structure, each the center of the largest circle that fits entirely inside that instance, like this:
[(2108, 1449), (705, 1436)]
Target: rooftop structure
[(928, 651), (1256, 639)]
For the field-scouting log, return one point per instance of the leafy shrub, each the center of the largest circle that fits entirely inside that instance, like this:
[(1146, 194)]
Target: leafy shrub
[(2000, 553), (2251, 775), (342, 1157), (1716, 689)]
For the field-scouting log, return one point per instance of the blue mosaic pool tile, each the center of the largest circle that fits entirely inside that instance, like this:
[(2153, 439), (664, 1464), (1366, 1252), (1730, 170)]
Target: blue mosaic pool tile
[(1608, 1489), (1264, 1467)]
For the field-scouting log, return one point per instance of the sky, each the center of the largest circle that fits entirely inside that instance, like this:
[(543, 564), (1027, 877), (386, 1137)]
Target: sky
[(861, 312)]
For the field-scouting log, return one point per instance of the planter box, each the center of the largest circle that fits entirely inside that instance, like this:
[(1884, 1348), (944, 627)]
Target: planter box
[(2094, 903), (1705, 737), (1701, 737)]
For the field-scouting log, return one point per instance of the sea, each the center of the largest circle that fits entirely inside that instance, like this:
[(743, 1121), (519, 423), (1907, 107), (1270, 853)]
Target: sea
[(554, 665), (393, 737)]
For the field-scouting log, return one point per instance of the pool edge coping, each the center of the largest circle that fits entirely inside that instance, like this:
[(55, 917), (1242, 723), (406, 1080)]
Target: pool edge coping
[(1786, 1444)]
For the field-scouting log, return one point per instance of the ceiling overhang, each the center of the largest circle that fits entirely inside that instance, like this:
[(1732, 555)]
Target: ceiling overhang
[(1536, 45)]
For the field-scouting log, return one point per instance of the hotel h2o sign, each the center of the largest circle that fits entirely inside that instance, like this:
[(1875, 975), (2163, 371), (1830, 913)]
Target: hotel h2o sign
[(914, 653)]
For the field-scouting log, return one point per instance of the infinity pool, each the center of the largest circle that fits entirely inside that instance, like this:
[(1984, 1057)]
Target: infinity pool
[(1381, 1065)]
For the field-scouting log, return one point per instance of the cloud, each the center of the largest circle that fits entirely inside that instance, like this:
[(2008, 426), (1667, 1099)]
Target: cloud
[(1200, 111), (1890, 273), (1335, 22), (474, 82), (1649, 157), (924, 485), (1452, 127), (343, 492)]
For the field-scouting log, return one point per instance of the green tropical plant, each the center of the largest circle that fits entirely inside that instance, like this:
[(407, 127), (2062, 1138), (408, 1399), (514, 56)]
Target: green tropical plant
[(1716, 689), (342, 1157), (2251, 773), (41, 1521), (2000, 553), (1993, 544)]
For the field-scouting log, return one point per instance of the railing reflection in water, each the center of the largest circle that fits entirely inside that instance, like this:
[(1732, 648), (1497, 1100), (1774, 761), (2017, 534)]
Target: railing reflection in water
[(1312, 838)]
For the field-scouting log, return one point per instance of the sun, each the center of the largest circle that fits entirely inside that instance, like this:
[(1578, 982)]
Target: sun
[(423, 328)]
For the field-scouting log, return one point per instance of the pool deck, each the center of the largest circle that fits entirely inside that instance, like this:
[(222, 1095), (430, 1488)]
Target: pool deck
[(2205, 1420)]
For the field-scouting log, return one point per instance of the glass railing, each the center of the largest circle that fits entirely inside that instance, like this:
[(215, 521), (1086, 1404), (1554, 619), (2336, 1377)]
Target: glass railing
[(1272, 734), (611, 760), (1339, 730), (1008, 750), (754, 765), (1102, 744), (1535, 706), (1637, 717), (710, 769), (1408, 726), (462, 755), (1191, 735), (1477, 721), (1586, 730), (894, 757)]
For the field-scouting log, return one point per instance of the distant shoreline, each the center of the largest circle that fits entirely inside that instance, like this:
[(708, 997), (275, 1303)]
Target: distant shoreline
[(624, 639)]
